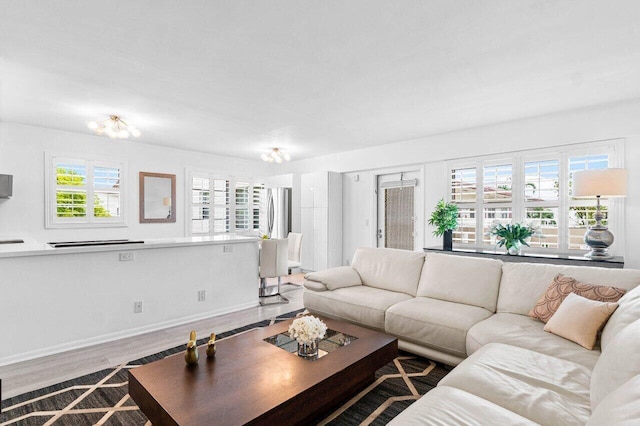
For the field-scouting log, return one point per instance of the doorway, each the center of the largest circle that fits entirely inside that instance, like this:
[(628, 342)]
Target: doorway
[(396, 194)]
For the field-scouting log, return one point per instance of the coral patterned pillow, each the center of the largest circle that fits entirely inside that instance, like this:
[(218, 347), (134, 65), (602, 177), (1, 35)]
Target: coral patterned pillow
[(561, 286)]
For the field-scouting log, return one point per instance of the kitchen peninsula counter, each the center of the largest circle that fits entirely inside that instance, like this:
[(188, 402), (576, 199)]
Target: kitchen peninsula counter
[(32, 248), (58, 299)]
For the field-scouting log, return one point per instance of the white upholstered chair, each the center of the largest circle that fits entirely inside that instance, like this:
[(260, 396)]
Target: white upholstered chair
[(295, 250), (273, 263)]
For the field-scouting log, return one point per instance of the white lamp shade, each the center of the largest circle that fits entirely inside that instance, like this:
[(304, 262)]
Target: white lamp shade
[(606, 183)]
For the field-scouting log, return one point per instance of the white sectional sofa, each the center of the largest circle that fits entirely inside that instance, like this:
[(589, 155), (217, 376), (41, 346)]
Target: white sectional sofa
[(474, 312)]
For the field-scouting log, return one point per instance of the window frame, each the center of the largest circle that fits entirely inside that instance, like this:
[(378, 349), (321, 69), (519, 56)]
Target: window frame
[(52, 221), (613, 148)]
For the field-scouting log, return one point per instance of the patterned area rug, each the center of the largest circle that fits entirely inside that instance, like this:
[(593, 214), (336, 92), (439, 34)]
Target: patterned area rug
[(101, 398)]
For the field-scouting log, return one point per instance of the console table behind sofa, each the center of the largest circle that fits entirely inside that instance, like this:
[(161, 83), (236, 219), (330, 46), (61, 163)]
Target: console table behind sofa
[(557, 258)]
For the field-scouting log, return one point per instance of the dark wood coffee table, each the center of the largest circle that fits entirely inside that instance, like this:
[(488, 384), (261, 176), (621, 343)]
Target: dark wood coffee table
[(251, 381)]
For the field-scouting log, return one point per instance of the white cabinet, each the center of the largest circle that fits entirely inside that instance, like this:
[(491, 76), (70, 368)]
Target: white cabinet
[(321, 220), (308, 242), (306, 190)]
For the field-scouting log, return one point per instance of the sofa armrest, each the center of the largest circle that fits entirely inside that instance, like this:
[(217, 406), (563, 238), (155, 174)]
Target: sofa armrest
[(332, 279)]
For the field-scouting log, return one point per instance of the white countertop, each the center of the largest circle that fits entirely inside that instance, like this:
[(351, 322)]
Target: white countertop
[(33, 248)]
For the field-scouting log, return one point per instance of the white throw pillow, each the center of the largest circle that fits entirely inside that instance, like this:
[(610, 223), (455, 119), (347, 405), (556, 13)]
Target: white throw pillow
[(619, 362), (579, 319)]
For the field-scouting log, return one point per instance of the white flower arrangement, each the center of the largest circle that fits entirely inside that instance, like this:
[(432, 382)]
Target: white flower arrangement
[(307, 329)]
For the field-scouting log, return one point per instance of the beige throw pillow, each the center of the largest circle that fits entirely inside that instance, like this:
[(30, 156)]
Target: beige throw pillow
[(561, 286), (579, 319)]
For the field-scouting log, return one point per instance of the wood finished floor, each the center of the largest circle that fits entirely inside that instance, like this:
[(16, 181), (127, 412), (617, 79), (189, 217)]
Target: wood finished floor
[(30, 375)]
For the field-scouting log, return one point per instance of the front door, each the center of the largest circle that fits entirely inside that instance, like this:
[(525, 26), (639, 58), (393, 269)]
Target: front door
[(396, 210)]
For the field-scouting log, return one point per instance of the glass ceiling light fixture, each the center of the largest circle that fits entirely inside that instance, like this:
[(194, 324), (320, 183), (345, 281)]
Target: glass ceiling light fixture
[(113, 127), (276, 155)]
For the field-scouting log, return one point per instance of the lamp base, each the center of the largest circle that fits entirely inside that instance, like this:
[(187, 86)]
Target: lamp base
[(598, 238), (598, 254)]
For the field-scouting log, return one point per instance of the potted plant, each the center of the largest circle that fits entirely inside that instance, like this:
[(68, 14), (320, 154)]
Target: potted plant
[(512, 236), (445, 219)]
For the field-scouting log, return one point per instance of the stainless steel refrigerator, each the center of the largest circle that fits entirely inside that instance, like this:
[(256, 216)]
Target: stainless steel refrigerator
[(278, 212)]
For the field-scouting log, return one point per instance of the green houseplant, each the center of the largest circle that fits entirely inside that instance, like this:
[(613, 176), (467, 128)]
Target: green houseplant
[(445, 219), (512, 236)]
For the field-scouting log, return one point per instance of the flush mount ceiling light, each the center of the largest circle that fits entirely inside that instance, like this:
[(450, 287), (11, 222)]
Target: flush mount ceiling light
[(276, 155), (113, 127)]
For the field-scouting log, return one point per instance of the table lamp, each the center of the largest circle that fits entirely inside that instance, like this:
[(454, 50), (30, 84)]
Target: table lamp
[(605, 183)]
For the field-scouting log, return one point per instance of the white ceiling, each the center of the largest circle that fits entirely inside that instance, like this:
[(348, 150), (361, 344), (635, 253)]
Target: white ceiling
[(313, 77)]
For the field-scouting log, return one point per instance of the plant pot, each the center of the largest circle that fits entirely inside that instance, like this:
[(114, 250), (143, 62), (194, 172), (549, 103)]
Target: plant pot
[(447, 241), (514, 249), (308, 350)]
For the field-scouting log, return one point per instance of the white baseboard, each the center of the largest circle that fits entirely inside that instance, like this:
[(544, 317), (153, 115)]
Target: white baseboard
[(78, 344)]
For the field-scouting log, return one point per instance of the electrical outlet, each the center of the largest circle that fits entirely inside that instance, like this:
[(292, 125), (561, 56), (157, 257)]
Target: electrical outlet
[(202, 295), (127, 256), (137, 307), (227, 249)]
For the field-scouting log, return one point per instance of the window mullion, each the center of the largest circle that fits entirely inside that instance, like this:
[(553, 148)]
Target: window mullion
[(232, 205), (479, 204), (90, 192), (563, 208), (517, 190), (210, 206)]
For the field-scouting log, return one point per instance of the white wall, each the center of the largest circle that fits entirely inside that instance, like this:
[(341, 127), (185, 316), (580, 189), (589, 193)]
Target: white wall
[(611, 121), (279, 181), (22, 154)]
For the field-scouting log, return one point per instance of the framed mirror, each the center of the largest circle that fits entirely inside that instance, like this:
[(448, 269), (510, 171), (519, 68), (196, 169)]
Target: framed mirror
[(157, 198)]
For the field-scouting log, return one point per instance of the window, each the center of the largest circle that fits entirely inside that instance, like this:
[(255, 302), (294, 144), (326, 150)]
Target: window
[(497, 183), (463, 192), (542, 200), (223, 204), (243, 219), (84, 193), (258, 204), (582, 211), (532, 187)]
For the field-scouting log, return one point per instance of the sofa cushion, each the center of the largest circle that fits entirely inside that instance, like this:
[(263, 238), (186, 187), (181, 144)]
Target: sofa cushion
[(334, 278), (620, 407), (444, 406), (527, 333), (434, 323), (359, 304), (617, 364), (522, 284), (628, 311), (469, 280), (542, 388), (389, 269), (579, 319), (561, 286)]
